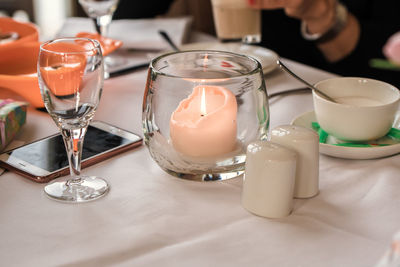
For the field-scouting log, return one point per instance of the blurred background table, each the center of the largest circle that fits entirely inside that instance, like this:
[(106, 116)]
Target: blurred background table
[(150, 218)]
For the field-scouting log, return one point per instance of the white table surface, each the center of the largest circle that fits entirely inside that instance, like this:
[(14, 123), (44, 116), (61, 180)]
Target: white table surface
[(150, 218)]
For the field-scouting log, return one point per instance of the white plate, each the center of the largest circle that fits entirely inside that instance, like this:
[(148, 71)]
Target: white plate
[(266, 57), (330, 149)]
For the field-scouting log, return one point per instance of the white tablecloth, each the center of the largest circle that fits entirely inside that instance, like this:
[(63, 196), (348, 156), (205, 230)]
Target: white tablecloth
[(150, 218)]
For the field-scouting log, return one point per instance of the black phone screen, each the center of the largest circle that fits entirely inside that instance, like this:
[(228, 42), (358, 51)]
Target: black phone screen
[(50, 154)]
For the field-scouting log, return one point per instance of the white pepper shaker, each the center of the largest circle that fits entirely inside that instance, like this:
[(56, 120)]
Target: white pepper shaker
[(306, 144), (269, 179)]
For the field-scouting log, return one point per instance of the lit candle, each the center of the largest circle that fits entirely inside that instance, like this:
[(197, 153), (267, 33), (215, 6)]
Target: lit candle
[(204, 124)]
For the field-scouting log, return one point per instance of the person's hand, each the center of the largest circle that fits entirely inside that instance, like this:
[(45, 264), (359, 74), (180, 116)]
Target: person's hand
[(319, 15)]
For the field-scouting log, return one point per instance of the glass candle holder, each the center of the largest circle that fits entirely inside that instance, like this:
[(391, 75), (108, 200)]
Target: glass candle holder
[(200, 111)]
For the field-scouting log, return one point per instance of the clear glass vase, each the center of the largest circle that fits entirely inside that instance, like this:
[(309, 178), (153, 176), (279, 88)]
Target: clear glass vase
[(200, 111)]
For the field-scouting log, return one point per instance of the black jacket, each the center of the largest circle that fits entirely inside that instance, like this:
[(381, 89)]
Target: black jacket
[(378, 19)]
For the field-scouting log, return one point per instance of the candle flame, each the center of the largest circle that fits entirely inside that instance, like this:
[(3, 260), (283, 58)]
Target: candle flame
[(203, 109)]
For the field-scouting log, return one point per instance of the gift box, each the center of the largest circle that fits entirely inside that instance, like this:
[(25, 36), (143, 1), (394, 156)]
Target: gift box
[(12, 117)]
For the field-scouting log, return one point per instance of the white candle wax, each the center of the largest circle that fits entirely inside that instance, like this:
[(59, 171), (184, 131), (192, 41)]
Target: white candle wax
[(204, 124), (306, 144)]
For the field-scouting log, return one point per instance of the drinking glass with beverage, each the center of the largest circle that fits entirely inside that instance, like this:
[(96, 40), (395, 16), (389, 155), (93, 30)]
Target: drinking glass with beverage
[(235, 21)]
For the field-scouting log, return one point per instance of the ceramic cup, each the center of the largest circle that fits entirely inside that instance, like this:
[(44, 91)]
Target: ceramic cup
[(366, 108)]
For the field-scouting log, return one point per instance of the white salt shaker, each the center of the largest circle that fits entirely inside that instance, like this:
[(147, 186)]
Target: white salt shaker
[(306, 144), (269, 179)]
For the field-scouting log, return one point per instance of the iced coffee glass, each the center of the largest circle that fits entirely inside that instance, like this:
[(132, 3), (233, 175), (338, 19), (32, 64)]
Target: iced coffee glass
[(235, 21)]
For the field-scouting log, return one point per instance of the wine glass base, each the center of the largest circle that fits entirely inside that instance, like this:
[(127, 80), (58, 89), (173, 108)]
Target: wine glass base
[(89, 188)]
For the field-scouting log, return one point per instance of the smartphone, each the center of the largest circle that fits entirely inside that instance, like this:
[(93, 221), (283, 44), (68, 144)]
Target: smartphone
[(46, 159)]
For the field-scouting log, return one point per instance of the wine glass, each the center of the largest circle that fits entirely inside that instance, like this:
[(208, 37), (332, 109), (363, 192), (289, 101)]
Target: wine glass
[(70, 72), (101, 11)]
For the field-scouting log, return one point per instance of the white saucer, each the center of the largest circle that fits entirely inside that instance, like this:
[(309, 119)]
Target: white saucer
[(330, 149), (266, 57)]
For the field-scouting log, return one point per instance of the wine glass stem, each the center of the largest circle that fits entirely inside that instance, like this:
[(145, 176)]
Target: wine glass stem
[(102, 23), (73, 140)]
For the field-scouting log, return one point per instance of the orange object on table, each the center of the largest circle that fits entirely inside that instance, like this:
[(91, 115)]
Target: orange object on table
[(18, 71), (18, 60), (27, 32), (61, 77), (108, 45)]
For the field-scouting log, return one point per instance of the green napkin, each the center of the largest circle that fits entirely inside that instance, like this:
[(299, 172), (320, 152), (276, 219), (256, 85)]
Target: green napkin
[(393, 134), (385, 64)]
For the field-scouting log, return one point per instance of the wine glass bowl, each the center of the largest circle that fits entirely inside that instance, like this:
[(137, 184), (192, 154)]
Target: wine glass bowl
[(70, 72), (101, 11)]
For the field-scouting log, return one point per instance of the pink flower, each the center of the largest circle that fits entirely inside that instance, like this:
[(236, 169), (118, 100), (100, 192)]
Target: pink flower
[(392, 48)]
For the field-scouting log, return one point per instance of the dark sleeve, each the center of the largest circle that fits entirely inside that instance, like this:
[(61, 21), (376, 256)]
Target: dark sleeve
[(378, 21), (133, 9)]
